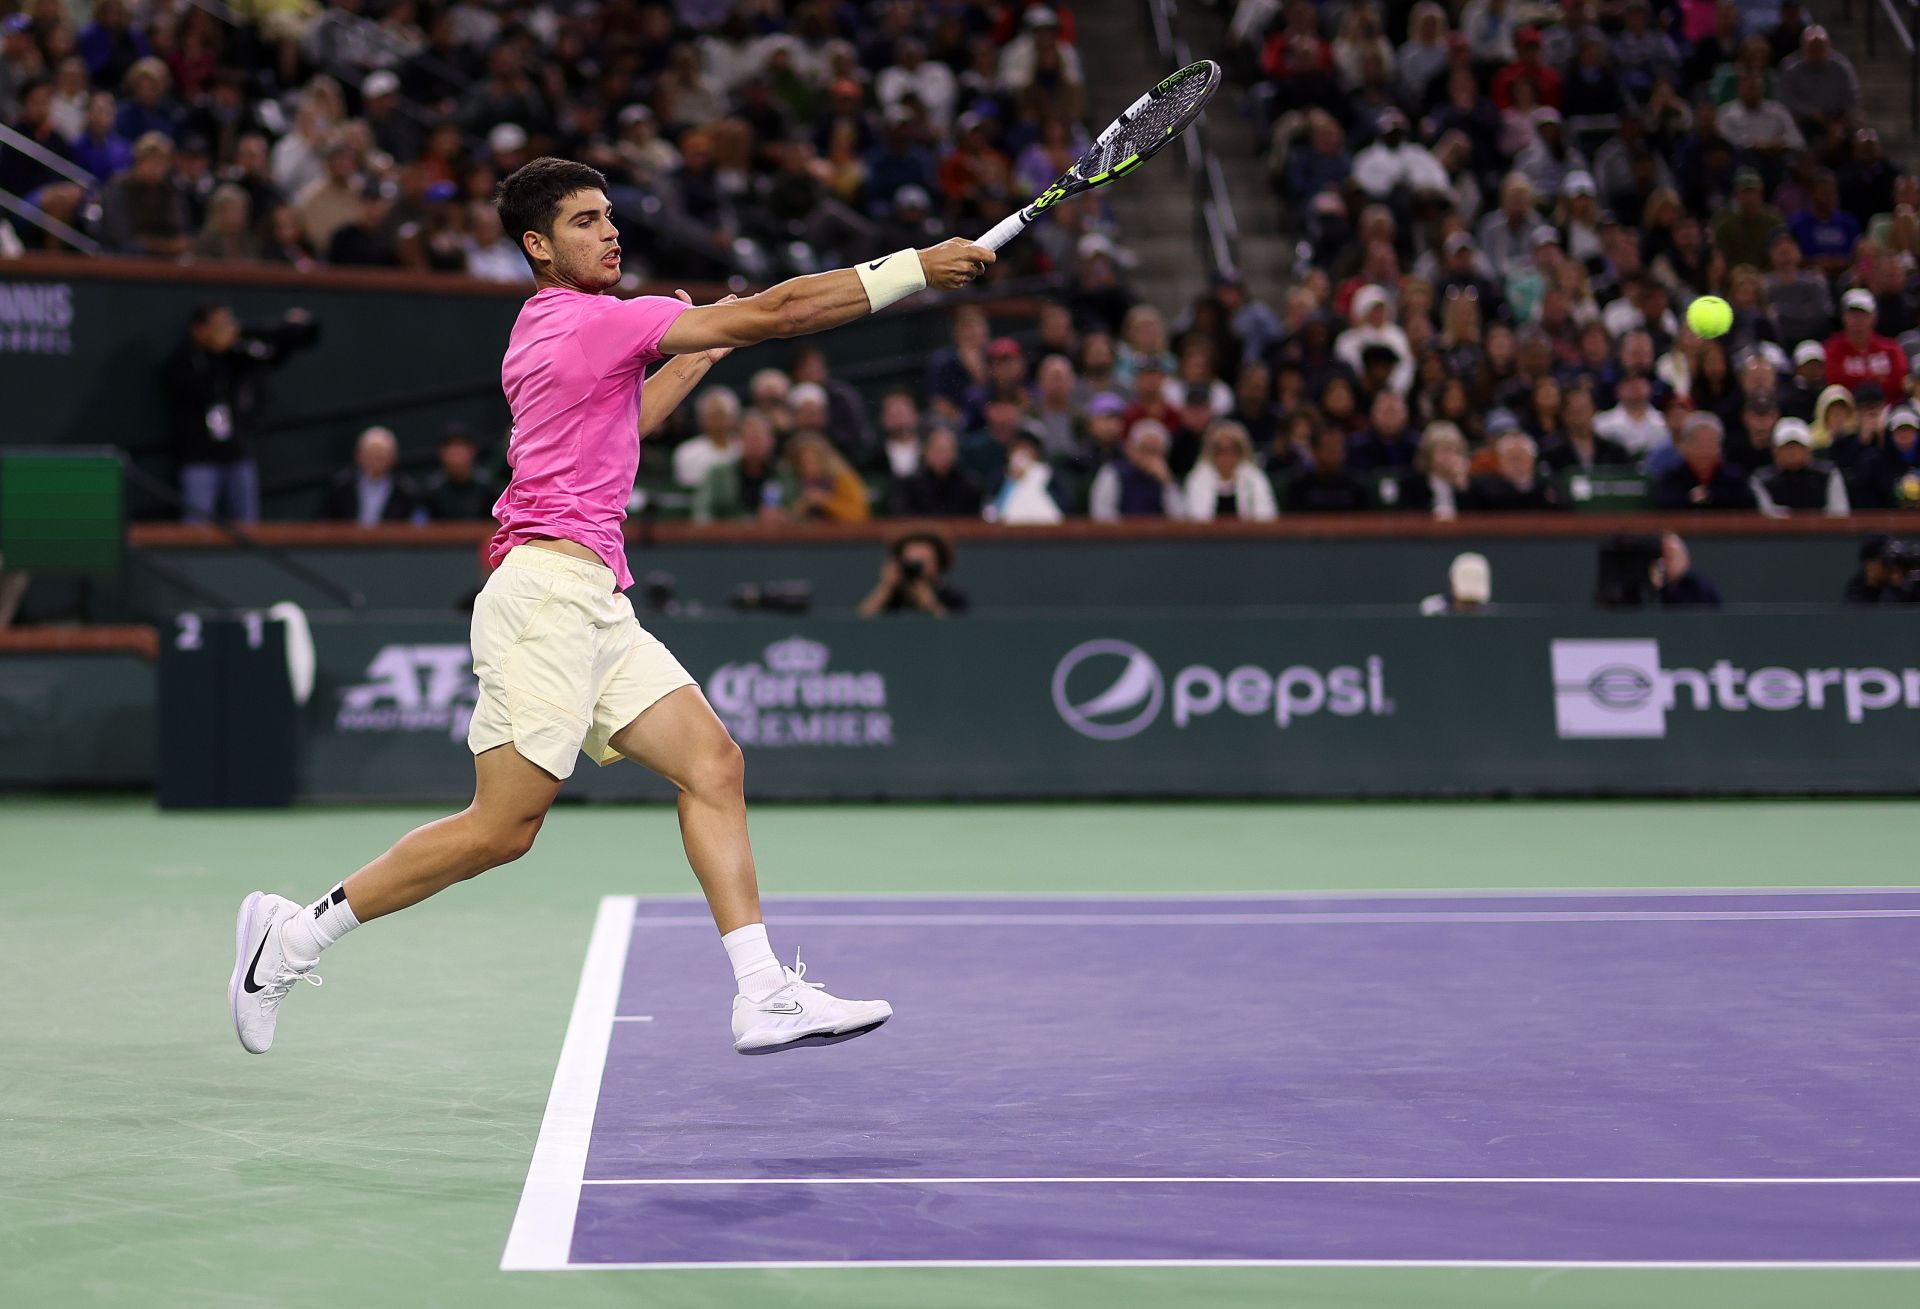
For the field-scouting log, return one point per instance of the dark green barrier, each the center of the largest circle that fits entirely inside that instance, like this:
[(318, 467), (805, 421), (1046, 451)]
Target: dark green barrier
[(83, 719), (82, 344), (1029, 574), (1204, 706)]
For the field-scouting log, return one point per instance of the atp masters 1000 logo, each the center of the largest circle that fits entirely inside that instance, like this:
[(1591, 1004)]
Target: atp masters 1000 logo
[(412, 688), (791, 697)]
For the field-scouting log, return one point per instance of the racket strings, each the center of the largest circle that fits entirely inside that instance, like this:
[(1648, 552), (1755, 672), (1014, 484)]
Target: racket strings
[(1163, 115)]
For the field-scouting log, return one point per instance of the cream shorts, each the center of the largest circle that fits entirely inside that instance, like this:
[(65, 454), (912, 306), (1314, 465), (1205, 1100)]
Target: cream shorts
[(562, 662)]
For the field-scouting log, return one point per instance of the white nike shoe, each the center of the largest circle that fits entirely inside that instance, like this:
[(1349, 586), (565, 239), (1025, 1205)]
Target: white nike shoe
[(262, 973), (802, 1013)]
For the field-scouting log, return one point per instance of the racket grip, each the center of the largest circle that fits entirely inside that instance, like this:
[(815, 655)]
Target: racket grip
[(1003, 231)]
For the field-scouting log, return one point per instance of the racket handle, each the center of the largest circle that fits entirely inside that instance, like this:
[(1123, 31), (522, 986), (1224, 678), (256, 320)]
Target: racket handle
[(1004, 231)]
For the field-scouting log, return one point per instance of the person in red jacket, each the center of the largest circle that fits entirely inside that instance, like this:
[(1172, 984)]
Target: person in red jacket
[(1529, 66), (1857, 354)]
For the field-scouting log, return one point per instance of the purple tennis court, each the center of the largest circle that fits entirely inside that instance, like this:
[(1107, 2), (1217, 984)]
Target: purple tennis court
[(1683, 1078)]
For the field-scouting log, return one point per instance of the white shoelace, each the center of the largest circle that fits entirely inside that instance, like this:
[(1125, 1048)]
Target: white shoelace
[(276, 990), (797, 977)]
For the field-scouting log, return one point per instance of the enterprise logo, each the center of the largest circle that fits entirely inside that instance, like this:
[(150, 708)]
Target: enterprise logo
[(1618, 689)]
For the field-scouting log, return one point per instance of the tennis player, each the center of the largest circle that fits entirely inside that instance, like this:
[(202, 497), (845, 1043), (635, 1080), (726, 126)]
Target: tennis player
[(562, 664)]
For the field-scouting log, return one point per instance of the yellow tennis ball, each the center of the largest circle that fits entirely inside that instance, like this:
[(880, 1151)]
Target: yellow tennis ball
[(1709, 316)]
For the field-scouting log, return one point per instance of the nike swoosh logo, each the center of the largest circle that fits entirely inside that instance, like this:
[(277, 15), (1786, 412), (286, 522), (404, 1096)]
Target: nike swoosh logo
[(874, 267), (248, 983), (784, 1007)]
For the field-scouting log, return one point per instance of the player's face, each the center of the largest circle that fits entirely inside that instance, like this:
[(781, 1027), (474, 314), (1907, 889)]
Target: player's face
[(585, 248)]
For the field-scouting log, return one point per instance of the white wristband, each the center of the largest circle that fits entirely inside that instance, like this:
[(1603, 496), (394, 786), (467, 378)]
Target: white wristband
[(892, 277)]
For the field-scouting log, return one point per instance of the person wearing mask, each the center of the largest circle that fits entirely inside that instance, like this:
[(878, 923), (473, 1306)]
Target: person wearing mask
[(1702, 479), (1025, 495), (1226, 482), (1796, 481), (216, 389), (372, 492)]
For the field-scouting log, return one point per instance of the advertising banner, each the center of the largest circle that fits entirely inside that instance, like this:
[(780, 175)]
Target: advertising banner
[(1202, 706)]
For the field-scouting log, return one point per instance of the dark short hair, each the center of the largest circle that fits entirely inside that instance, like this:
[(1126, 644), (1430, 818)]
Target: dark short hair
[(529, 199), (204, 311), (941, 546)]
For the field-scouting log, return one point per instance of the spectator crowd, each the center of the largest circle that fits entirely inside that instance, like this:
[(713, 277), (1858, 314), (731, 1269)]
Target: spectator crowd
[(1500, 212), (751, 137)]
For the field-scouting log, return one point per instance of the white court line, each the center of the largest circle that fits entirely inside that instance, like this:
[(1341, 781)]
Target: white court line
[(1257, 1181), (1711, 1265), (1302, 920), (1330, 893), (542, 1233)]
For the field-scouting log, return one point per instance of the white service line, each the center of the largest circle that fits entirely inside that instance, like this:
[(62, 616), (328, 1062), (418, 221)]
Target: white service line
[(542, 1234), (1255, 1181), (1306, 920)]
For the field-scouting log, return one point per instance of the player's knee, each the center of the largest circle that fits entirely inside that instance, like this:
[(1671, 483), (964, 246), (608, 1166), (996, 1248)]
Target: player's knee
[(502, 843), (720, 770)]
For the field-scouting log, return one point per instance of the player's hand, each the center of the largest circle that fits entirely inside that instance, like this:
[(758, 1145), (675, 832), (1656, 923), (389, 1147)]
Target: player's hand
[(954, 263), (719, 352)]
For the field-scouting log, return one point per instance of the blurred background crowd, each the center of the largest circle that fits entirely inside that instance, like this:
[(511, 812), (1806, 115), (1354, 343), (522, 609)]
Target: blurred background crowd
[(1501, 211)]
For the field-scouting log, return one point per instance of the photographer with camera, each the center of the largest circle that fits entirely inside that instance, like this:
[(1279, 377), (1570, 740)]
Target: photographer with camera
[(216, 390), (1889, 573), (914, 579)]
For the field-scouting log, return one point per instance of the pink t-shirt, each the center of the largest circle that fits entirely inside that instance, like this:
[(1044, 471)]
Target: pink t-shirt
[(573, 373)]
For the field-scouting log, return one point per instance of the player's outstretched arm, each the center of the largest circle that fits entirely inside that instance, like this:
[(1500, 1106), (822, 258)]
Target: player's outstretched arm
[(671, 383), (823, 300)]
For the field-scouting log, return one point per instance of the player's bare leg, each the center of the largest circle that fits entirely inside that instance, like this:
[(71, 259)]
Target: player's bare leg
[(511, 797), (277, 942), (683, 740)]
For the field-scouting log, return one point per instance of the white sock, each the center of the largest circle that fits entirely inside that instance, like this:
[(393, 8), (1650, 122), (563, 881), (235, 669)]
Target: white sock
[(319, 925), (757, 973)]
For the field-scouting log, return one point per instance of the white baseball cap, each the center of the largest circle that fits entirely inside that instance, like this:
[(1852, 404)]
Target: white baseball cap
[(1470, 578), (1808, 351), (1859, 298), (1904, 416), (1790, 431)]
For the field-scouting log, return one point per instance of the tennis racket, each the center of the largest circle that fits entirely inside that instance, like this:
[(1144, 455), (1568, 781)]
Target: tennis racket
[(1147, 126)]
